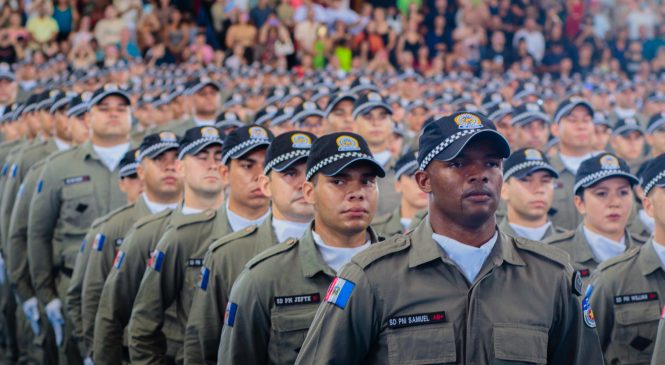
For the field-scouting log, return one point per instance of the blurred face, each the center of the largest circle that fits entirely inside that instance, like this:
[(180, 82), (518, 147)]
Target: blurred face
[(504, 127), (315, 125), (601, 137), (345, 202), (111, 118), (160, 177), (79, 129), (576, 129), (653, 204), (242, 175), (47, 121), (375, 127), (7, 91), (529, 197), (532, 135), (415, 119), (207, 101), (340, 118), (284, 189), (61, 128), (131, 187), (34, 124), (411, 194), (606, 206), (657, 141), (628, 146), (202, 172)]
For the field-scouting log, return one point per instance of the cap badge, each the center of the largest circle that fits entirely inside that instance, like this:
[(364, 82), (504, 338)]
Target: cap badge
[(532, 107), (301, 141), (373, 97), (110, 87), (258, 133), (308, 105), (209, 132), (86, 96), (468, 121), (230, 116), (347, 143), (136, 154), (168, 137), (532, 155), (609, 162)]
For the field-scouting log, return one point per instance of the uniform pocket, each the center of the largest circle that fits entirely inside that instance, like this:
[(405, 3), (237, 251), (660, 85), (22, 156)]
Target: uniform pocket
[(520, 344), (430, 344), (79, 208), (289, 328), (636, 330)]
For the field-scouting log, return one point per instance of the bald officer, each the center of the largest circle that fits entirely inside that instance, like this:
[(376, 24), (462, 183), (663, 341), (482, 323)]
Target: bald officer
[(456, 289)]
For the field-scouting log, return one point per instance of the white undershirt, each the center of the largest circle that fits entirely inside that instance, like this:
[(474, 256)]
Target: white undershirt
[(287, 229), (534, 234), (336, 257), (382, 157), (203, 123), (157, 207), (572, 163), (237, 222), (468, 258), (406, 223), (660, 251), (602, 247), (190, 211), (648, 222), (111, 156), (60, 144)]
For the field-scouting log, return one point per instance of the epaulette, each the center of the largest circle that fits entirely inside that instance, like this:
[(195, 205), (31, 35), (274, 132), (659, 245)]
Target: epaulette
[(638, 238), (152, 218), (117, 211), (99, 221), (232, 237), (377, 251), (185, 220), (559, 237), (273, 251), (630, 253), (552, 253), (558, 230)]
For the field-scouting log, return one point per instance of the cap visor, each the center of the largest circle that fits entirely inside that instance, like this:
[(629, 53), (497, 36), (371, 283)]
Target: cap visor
[(201, 147), (526, 172), (631, 178), (159, 151), (456, 147), (288, 163), (338, 166), (248, 149), (362, 109), (121, 94)]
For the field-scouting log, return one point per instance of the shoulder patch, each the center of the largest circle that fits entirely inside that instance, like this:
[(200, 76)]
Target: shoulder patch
[(559, 237), (153, 217), (185, 220), (552, 253), (629, 254), (272, 251), (247, 231), (339, 292), (377, 251)]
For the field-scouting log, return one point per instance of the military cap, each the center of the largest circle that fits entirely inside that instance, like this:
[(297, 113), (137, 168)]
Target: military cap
[(6, 72), (283, 115), (198, 138), (306, 110), (362, 84), (243, 140), (491, 100), (627, 125), (321, 92), (599, 118), (526, 161), (108, 90), (275, 95), (332, 153), (527, 113), (567, 106), (444, 138), (287, 149), (61, 101), (370, 101), (129, 163), (236, 99), (163, 99), (228, 120), (417, 104), (155, 144), (656, 122), (406, 165), (338, 98), (654, 174), (200, 82), (656, 97), (600, 167), (524, 90), (409, 74), (265, 115), (78, 105)]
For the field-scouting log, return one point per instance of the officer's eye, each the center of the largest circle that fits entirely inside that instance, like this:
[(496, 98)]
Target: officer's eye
[(337, 181), (493, 164), (455, 164), (369, 181), (600, 193), (624, 192)]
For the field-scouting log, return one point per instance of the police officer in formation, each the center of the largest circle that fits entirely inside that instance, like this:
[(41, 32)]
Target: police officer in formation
[(221, 216)]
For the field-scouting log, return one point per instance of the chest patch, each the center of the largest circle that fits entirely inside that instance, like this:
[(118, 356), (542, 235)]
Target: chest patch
[(297, 299), (635, 298), (413, 320)]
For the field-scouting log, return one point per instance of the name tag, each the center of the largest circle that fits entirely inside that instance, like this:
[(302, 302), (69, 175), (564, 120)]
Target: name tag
[(194, 262), (416, 320), (635, 298), (297, 300), (77, 180), (585, 273)]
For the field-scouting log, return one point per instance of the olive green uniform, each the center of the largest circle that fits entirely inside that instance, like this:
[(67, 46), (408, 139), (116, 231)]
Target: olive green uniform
[(388, 197), (659, 349), (103, 252), (389, 225), (411, 304), (74, 189), (276, 297), (121, 286), (417, 219), (627, 294), (566, 215), (552, 230), (224, 261), (636, 227), (581, 256), (172, 278)]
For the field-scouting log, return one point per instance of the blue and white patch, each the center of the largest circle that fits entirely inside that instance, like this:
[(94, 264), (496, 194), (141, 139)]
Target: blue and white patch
[(156, 260), (20, 191), (5, 168), (205, 277), (82, 248), (589, 317), (230, 314), (98, 244), (119, 258), (14, 170), (40, 186), (339, 292)]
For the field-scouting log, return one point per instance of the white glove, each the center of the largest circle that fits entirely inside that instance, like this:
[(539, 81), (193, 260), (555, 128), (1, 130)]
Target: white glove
[(31, 310), (88, 361), (54, 314), (2, 270)]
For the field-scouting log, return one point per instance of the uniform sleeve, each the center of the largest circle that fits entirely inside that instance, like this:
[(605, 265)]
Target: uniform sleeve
[(11, 188), (117, 300), (44, 213), (659, 349), (159, 287), (574, 339), (246, 325), (601, 302), (204, 325), (350, 323)]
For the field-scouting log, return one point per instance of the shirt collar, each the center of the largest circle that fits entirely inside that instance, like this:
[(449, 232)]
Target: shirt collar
[(648, 259), (581, 249)]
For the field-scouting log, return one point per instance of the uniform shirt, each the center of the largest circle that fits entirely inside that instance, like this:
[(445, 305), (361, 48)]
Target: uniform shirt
[(202, 122), (468, 258), (534, 234), (406, 223), (190, 211), (336, 257), (60, 144), (390, 224), (389, 198), (286, 229), (660, 251), (237, 222), (404, 301), (155, 207), (565, 215), (111, 156)]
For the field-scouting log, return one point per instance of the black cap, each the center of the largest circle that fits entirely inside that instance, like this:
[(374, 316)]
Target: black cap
[(61, 101), (228, 120), (128, 163), (527, 113), (332, 153), (600, 167), (287, 149), (406, 165), (567, 106), (524, 90), (526, 161), (599, 118), (654, 174), (655, 122), (78, 105), (201, 82), (282, 116), (306, 110), (155, 144), (245, 139), (363, 84), (108, 90), (501, 110), (338, 98), (368, 102), (198, 138), (6, 72), (444, 138), (265, 115), (627, 125)]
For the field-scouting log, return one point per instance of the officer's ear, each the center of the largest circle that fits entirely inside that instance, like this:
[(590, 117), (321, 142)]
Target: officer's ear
[(555, 129), (505, 196), (224, 171), (613, 143), (424, 181), (648, 205), (650, 140), (264, 185), (398, 185), (579, 203), (140, 171), (308, 190)]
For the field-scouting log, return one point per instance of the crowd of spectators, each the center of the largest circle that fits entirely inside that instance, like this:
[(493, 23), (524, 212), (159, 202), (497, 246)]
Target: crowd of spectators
[(431, 36)]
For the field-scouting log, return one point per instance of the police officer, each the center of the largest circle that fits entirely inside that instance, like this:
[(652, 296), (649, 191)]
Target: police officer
[(339, 112), (627, 293), (372, 116), (8, 87), (530, 126), (284, 174), (178, 257), (604, 197), (162, 189), (528, 187), (655, 135), (206, 103), (412, 199), (75, 188), (307, 117), (467, 281), (628, 142), (274, 299)]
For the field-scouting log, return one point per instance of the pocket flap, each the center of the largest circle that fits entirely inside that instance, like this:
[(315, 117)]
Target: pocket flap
[(76, 191), (432, 344), (521, 343), (292, 320), (640, 314)]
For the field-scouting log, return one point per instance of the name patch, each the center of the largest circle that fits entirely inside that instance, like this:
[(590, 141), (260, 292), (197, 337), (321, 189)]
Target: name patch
[(585, 273), (194, 262), (416, 320), (77, 180), (635, 298), (297, 300)]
